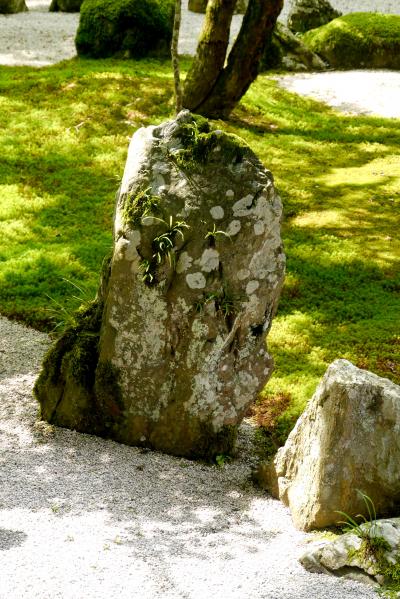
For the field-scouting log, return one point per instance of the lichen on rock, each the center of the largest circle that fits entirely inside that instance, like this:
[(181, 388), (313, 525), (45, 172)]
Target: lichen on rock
[(177, 360)]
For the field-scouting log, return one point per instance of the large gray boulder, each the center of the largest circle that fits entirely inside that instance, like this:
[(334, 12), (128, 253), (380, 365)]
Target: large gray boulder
[(8, 7), (309, 14), (348, 438), (173, 351)]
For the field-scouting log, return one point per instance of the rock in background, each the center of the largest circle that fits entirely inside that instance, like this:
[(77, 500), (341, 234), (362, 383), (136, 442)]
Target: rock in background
[(65, 5), (309, 14), (173, 351), (347, 439), (287, 51), (8, 7)]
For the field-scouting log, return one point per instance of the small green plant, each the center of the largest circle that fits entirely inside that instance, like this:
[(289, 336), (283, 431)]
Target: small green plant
[(163, 248), (224, 301), (65, 316), (374, 547), (214, 234), (363, 529), (221, 459)]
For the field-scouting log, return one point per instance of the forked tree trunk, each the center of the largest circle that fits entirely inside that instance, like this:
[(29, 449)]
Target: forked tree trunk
[(213, 89), (210, 53), (175, 56)]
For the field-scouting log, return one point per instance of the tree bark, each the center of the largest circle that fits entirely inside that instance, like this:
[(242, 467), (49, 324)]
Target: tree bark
[(230, 83), (175, 56), (210, 53)]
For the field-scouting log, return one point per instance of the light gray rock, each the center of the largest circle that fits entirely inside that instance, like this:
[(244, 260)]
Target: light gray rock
[(8, 7), (286, 51), (346, 439), (309, 14), (181, 352), (354, 557)]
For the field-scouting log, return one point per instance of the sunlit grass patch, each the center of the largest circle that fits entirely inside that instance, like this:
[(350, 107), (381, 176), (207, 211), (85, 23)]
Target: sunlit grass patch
[(64, 134)]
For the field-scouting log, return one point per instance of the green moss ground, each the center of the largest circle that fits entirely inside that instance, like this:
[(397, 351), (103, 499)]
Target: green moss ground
[(64, 133)]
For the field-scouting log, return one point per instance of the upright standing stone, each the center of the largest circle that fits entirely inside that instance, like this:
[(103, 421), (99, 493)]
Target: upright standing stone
[(185, 307)]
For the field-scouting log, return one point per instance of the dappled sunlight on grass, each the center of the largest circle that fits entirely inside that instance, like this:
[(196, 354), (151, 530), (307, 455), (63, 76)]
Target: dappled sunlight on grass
[(64, 134)]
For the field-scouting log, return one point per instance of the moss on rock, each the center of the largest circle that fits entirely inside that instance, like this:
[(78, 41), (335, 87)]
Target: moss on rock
[(358, 40), (128, 28), (199, 141), (140, 205)]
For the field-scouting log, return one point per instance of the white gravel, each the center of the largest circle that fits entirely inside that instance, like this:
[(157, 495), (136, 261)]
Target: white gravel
[(368, 92), (85, 517)]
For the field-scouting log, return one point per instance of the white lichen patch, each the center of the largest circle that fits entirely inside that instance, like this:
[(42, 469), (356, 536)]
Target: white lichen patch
[(259, 228), (200, 333), (131, 252), (251, 287), (184, 263), (242, 206), (263, 262), (209, 260), (196, 280), (243, 274), (233, 228), (217, 212)]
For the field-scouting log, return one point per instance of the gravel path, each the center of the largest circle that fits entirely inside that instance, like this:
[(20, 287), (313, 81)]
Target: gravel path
[(84, 517), (373, 92)]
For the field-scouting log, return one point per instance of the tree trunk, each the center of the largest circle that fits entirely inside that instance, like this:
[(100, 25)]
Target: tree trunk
[(228, 84), (175, 56), (210, 54)]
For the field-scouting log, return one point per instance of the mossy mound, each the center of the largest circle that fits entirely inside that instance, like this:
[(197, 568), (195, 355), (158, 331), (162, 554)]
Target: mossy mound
[(127, 28), (358, 40), (9, 7), (308, 14), (65, 5)]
